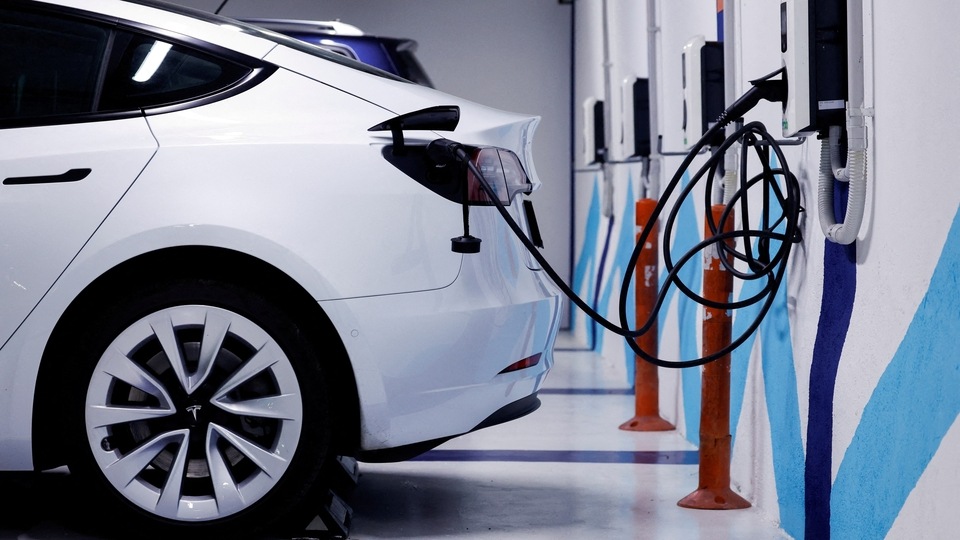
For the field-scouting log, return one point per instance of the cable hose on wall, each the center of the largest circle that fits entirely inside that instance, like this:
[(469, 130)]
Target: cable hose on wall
[(855, 174), (767, 261)]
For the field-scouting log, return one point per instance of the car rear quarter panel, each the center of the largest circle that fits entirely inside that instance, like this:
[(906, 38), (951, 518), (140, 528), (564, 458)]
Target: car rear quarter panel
[(287, 169)]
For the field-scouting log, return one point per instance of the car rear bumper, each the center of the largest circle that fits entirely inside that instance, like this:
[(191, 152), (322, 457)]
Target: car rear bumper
[(430, 365)]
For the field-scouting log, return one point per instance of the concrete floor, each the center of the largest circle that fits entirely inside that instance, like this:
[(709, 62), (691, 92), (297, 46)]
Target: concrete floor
[(565, 471)]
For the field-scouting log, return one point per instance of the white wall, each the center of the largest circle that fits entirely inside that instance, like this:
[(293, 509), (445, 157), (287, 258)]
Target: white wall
[(844, 405)]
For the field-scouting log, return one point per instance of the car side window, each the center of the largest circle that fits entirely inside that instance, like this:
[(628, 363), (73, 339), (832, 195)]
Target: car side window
[(146, 71), (50, 65)]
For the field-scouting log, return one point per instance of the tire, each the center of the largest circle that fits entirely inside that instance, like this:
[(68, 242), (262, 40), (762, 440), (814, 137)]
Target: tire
[(229, 438)]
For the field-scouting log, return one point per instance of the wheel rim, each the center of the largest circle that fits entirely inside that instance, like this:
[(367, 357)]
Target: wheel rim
[(193, 413)]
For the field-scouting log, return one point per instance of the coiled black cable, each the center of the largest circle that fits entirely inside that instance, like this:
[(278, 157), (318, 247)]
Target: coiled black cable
[(759, 263)]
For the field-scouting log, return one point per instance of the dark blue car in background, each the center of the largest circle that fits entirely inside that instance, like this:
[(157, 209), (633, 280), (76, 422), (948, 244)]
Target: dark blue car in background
[(394, 55)]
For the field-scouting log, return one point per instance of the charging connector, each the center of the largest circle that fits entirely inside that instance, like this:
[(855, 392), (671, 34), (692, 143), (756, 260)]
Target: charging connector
[(445, 152), (765, 88)]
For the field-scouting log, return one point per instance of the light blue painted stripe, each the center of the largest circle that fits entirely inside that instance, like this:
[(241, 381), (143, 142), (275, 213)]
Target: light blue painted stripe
[(783, 411), (914, 404), (626, 240), (686, 235), (783, 400), (583, 274), (780, 392), (740, 357), (601, 308)]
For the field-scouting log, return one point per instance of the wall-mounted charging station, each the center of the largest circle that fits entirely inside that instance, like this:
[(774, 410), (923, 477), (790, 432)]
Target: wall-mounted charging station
[(822, 46), (635, 94), (703, 99), (594, 132), (813, 44)]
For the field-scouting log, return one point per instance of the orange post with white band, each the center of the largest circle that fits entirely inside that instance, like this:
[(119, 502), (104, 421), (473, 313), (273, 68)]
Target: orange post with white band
[(646, 377), (714, 491)]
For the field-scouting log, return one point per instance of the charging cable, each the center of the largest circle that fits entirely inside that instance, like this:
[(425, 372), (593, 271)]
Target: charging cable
[(774, 238)]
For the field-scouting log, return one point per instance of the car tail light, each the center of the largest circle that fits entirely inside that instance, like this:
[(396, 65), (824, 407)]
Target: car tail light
[(503, 172), (527, 362), (456, 182)]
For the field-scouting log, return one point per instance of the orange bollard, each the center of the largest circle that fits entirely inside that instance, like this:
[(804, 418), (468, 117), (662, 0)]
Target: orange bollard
[(646, 387), (714, 492)]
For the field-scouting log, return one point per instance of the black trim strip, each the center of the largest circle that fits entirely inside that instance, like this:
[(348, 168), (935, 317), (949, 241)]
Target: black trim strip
[(532, 223), (255, 77), (636, 457), (587, 391), (73, 175), (508, 412)]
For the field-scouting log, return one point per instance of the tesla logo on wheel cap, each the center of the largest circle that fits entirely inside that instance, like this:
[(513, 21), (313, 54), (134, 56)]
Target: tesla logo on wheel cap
[(194, 410)]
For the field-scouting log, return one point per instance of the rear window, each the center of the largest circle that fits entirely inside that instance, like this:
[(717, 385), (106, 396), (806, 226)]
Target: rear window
[(147, 72), (61, 67)]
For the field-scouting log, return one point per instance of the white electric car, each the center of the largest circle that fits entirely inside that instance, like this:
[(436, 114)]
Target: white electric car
[(226, 260)]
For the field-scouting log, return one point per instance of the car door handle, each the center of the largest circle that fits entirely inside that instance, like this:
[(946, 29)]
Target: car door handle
[(73, 175)]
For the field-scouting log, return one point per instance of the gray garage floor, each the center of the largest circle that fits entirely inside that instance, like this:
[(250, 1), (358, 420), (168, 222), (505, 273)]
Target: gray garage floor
[(564, 471)]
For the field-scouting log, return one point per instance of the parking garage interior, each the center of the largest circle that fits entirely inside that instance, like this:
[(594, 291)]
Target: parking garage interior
[(840, 404)]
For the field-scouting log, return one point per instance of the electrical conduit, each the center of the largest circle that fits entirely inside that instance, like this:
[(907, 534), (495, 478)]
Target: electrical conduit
[(856, 165)]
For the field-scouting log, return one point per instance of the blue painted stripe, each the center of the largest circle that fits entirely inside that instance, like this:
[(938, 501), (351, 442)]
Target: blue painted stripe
[(914, 404), (836, 305), (587, 391), (676, 457)]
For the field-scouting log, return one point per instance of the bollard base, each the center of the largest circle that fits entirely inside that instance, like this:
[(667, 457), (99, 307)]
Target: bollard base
[(714, 499), (647, 423)]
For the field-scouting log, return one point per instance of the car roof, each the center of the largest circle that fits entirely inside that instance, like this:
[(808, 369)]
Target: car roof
[(233, 34), (392, 54), (336, 28)]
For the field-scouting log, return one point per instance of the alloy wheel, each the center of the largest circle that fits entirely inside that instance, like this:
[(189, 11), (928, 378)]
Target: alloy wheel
[(193, 413)]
